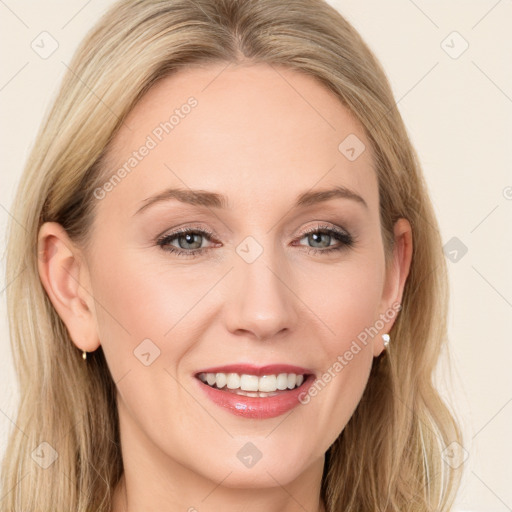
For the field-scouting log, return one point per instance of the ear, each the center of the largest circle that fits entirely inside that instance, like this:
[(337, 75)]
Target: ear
[(396, 275), (65, 278)]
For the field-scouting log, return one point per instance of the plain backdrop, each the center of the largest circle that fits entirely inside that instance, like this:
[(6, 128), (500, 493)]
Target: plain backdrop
[(449, 63)]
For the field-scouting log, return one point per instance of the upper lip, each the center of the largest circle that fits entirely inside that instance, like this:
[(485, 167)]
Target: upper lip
[(250, 369)]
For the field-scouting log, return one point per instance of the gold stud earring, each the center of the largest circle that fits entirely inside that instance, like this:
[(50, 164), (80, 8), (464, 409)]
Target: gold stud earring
[(386, 339)]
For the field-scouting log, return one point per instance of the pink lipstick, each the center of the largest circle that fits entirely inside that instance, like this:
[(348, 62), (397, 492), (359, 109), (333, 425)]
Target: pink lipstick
[(257, 392)]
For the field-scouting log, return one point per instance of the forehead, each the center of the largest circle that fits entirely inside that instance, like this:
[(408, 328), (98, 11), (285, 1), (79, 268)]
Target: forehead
[(244, 131)]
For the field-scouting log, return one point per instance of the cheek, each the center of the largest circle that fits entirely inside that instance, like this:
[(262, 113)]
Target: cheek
[(151, 316), (348, 307), (145, 330), (348, 301)]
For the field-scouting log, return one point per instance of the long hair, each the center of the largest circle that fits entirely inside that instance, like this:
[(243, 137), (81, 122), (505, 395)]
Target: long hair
[(389, 455)]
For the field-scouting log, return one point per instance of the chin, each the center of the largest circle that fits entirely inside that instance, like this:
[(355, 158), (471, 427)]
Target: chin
[(253, 478), (275, 469)]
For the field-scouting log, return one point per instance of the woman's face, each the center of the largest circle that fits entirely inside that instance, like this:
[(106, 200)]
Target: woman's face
[(266, 271)]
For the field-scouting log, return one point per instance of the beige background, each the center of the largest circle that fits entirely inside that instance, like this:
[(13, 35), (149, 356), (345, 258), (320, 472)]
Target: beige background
[(458, 110)]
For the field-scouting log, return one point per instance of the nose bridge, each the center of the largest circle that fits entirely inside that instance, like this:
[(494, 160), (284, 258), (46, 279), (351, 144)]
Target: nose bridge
[(262, 303)]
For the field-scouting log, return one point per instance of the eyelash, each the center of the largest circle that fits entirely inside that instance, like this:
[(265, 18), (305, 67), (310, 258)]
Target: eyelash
[(346, 240)]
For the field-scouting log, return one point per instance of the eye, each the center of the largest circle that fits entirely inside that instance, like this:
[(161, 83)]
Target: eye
[(189, 242), (321, 237)]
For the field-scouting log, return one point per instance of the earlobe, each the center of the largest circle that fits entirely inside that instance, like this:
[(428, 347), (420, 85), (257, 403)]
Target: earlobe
[(61, 272), (396, 276)]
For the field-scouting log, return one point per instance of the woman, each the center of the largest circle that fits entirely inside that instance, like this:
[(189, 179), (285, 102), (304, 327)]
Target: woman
[(206, 168)]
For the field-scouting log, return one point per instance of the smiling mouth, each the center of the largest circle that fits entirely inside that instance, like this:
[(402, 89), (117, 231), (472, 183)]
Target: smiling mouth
[(255, 386)]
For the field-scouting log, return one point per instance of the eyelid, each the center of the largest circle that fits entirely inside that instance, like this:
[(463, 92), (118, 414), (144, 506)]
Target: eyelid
[(185, 229), (344, 237), (322, 226)]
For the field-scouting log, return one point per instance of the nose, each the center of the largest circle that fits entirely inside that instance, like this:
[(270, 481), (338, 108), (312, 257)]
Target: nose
[(262, 304)]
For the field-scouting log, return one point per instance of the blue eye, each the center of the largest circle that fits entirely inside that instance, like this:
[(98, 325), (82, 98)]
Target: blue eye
[(190, 241), (324, 235), (186, 238)]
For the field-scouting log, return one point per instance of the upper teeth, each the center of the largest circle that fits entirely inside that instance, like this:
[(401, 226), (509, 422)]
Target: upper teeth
[(247, 382)]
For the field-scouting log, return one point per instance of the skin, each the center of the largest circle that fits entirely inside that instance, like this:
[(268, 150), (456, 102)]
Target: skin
[(261, 142)]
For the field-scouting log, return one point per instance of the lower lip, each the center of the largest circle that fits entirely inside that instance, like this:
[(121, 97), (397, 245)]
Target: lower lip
[(255, 407)]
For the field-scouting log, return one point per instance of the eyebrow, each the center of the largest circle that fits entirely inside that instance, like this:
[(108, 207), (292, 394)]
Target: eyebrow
[(215, 200)]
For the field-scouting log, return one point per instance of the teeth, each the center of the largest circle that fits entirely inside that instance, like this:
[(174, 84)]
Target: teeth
[(233, 380), (252, 384), (249, 383), (269, 382), (220, 380), (282, 381)]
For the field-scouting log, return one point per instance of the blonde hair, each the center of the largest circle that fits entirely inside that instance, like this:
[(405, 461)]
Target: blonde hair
[(389, 456)]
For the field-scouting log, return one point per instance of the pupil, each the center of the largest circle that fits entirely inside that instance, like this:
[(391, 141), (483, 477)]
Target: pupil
[(317, 237), (189, 239)]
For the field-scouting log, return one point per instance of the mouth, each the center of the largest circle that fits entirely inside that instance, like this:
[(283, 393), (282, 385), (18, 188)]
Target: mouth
[(255, 392), (254, 386)]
